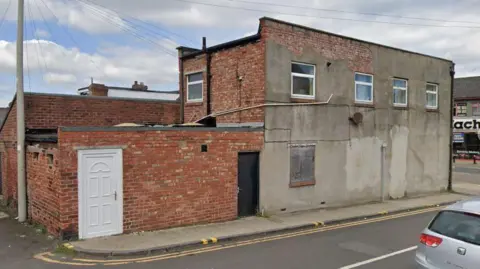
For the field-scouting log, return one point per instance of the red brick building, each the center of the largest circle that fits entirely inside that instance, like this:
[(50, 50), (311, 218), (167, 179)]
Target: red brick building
[(286, 119), (44, 113)]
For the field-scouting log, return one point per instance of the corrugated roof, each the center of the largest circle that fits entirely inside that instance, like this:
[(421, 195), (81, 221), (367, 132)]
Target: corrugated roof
[(468, 87)]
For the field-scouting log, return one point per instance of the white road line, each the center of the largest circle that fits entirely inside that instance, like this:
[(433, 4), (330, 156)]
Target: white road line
[(358, 264)]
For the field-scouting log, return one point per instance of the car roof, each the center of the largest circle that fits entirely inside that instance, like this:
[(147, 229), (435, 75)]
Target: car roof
[(471, 205)]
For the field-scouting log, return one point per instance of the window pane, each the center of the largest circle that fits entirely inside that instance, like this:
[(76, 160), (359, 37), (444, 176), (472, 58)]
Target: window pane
[(400, 83), (195, 92), (363, 78), (303, 69), (431, 87), (476, 110), (363, 92), (431, 99), (461, 226), (302, 86), (399, 96), (195, 77)]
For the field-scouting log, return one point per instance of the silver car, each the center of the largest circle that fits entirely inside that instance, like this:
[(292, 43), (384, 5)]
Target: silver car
[(452, 239)]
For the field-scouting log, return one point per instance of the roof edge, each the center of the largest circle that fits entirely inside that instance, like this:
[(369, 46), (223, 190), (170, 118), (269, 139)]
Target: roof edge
[(14, 100), (226, 45)]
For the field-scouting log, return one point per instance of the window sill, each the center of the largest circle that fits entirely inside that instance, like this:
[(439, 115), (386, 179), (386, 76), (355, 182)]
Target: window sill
[(364, 104), (302, 100), (194, 103), (302, 184), (400, 107), (431, 109)]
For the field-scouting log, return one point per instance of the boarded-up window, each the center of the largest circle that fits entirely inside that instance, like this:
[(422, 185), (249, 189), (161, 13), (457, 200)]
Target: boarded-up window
[(302, 165)]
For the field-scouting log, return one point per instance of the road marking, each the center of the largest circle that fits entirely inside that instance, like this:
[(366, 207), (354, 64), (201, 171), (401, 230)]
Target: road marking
[(48, 260), (214, 239), (358, 264), (242, 243)]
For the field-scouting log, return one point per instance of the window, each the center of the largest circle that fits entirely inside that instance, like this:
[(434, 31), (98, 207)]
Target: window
[(432, 96), (461, 109), (195, 87), (363, 88), (461, 226), (303, 80), (302, 165), (400, 96), (476, 109)]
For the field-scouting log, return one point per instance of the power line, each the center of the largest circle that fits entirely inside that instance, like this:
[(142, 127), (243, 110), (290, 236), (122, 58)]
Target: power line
[(67, 33), (126, 27), (26, 59), (330, 18), (348, 12), (144, 22), (34, 35), (5, 13)]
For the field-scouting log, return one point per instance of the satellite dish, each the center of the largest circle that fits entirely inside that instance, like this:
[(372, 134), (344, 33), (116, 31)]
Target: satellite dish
[(357, 118)]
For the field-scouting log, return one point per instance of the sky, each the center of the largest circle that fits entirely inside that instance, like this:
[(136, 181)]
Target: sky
[(116, 42)]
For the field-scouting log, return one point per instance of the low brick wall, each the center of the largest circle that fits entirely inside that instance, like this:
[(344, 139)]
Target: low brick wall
[(43, 181), (167, 180)]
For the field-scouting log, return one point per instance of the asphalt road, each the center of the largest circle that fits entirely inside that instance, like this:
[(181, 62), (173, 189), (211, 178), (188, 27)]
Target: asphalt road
[(468, 170), (329, 249)]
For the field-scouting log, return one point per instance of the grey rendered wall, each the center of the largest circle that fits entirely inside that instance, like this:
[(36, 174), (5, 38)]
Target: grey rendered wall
[(347, 164)]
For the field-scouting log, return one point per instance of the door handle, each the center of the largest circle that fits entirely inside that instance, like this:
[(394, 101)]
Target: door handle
[(115, 194)]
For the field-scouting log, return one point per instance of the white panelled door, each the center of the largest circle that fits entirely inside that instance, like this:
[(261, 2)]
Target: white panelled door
[(100, 188)]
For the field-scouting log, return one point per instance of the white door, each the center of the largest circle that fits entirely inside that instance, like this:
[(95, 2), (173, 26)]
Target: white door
[(100, 182)]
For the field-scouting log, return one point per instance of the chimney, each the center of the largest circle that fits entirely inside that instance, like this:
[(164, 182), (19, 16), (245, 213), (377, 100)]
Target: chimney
[(96, 89), (139, 86)]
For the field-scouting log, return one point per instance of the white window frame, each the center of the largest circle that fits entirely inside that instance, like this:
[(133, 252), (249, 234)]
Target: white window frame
[(402, 89), (194, 83), (436, 96), (293, 74), (362, 83)]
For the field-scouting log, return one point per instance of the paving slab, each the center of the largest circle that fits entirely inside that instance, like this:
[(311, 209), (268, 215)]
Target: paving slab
[(144, 243)]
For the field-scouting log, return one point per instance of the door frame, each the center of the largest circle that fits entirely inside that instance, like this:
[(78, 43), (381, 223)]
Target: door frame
[(82, 232), (257, 193)]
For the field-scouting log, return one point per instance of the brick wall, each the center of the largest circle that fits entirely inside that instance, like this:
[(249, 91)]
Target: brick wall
[(52, 111), (43, 179), (167, 180), (238, 80), (296, 39)]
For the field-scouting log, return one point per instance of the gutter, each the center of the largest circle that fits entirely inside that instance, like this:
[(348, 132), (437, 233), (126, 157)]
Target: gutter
[(181, 80), (450, 146)]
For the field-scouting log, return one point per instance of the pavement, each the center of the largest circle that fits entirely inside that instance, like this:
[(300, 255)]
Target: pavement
[(144, 243)]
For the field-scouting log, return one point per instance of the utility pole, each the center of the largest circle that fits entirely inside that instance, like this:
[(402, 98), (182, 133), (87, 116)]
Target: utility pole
[(21, 182)]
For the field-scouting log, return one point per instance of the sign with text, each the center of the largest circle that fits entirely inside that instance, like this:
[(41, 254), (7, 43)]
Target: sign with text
[(458, 138)]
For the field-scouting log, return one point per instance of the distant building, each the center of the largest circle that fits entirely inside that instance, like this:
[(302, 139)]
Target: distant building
[(138, 91), (3, 113), (466, 110)]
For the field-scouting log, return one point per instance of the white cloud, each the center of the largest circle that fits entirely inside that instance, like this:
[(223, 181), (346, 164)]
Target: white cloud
[(57, 78)]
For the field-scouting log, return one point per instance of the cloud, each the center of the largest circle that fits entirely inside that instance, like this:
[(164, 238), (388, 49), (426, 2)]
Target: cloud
[(57, 78)]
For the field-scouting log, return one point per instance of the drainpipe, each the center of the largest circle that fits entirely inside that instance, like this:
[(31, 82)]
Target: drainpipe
[(382, 171), (452, 79), (181, 80), (208, 59)]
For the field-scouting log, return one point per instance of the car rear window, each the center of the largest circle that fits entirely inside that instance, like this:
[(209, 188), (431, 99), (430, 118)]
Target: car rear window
[(458, 225)]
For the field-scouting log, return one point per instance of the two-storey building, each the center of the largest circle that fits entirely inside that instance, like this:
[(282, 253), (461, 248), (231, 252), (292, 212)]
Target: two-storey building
[(345, 120), (466, 140)]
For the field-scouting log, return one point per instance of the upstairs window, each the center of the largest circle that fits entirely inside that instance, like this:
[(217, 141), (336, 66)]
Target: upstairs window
[(432, 96), (303, 81), (400, 95), (476, 109), (195, 87), (363, 88), (461, 109)]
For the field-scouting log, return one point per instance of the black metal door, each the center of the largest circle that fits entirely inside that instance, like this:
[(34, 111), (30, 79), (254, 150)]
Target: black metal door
[(248, 181)]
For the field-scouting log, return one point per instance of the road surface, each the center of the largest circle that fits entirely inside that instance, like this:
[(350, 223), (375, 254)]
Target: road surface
[(348, 248)]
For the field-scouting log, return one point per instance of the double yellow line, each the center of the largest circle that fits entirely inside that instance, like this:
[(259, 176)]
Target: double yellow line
[(47, 257)]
